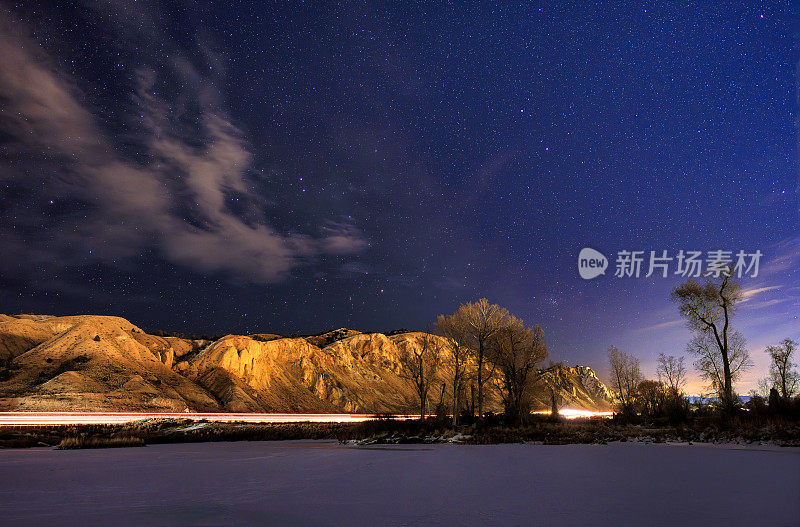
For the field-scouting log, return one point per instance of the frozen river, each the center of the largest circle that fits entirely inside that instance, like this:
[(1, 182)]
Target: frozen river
[(324, 483)]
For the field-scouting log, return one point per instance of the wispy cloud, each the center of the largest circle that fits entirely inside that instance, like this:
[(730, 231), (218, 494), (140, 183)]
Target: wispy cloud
[(768, 303), (748, 294), (185, 192), (661, 325), (783, 256)]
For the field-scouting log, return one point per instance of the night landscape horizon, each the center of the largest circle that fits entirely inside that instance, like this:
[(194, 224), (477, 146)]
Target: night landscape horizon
[(366, 224)]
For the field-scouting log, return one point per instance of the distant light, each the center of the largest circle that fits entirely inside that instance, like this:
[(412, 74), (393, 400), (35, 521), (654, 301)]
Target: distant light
[(573, 413)]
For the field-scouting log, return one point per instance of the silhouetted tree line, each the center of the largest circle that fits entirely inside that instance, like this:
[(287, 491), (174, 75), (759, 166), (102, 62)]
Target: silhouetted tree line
[(721, 356)]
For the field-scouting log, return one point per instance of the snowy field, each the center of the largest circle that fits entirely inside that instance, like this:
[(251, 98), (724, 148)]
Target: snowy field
[(324, 483)]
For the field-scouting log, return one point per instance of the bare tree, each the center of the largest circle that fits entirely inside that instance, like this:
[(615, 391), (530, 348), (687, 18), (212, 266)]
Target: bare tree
[(710, 364), (651, 397), (763, 386), (708, 308), (553, 387), (453, 330), (516, 350), (625, 378), (420, 363), (782, 374), (480, 320), (555, 401), (671, 373)]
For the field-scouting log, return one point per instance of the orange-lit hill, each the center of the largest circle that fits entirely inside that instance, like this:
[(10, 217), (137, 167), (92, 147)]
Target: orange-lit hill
[(94, 363)]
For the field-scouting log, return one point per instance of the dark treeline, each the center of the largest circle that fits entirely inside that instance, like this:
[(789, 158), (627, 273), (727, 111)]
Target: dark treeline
[(721, 357)]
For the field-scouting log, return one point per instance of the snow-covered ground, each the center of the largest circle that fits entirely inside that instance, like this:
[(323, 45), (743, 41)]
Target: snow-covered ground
[(324, 483)]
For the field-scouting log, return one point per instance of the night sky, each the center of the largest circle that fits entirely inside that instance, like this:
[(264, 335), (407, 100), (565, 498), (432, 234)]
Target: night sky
[(292, 168)]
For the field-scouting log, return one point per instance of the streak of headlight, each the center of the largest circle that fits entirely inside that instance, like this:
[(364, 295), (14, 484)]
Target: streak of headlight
[(83, 418)]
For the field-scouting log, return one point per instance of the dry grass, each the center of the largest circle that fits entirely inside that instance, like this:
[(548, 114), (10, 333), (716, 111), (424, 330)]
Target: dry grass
[(71, 443)]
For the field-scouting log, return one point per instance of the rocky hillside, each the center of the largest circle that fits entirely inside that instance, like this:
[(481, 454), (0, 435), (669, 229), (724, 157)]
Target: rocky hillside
[(576, 387), (84, 363)]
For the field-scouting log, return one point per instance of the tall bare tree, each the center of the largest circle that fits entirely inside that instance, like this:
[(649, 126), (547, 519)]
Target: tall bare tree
[(709, 362), (516, 350), (671, 373), (708, 307), (782, 374), (453, 330), (625, 378), (480, 320), (420, 360)]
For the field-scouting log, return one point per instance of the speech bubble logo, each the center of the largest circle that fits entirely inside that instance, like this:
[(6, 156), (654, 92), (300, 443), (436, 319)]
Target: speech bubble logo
[(591, 263)]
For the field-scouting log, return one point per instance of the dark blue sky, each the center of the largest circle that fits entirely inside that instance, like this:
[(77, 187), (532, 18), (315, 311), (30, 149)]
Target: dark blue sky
[(301, 166)]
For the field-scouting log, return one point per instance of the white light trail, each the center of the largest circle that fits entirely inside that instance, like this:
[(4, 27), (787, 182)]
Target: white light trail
[(110, 418)]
